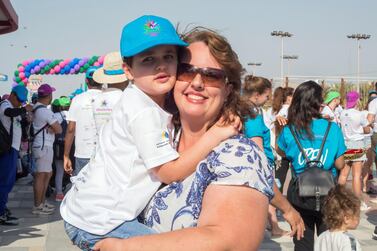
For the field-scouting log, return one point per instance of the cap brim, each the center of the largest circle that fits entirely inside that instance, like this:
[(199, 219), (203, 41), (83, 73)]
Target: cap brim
[(100, 77), (150, 44)]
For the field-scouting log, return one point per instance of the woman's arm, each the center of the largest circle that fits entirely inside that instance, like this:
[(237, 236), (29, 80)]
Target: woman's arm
[(232, 218)]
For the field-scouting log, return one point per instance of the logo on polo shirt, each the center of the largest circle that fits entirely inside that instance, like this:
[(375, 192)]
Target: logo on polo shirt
[(164, 139)]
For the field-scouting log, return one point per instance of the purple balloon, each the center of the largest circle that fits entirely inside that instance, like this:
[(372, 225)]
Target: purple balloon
[(14, 84), (81, 62), (76, 67), (85, 59), (48, 61), (37, 68), (32, 71), (72, 71)]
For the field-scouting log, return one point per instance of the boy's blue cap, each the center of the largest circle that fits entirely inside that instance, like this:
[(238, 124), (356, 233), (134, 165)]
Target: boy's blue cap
[(90, 71), (21, 92), (146, 32)]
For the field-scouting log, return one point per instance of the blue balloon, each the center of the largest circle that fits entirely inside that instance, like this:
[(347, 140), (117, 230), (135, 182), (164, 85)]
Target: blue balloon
[(28, 68), (27, 74)]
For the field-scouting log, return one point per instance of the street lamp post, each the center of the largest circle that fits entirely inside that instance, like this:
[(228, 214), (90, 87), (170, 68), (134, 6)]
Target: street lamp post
[(358, 37), (281, 34), (289, 58), (253, 65)]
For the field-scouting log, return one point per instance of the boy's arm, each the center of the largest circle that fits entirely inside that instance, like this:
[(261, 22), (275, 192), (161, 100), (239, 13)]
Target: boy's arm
[(185, 165)]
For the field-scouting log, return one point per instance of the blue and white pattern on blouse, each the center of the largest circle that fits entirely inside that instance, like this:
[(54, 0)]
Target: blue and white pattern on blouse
[(236, 161)]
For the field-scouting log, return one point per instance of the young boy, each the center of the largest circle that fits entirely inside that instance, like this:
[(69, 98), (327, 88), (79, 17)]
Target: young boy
[(134, 154), (341, 211)]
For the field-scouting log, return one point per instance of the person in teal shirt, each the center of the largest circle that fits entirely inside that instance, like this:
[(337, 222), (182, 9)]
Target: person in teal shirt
[(304, 116), (258, 90)]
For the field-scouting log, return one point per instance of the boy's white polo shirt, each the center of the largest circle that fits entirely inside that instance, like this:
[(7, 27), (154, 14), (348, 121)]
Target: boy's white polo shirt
[(117, 183), (17, 131)]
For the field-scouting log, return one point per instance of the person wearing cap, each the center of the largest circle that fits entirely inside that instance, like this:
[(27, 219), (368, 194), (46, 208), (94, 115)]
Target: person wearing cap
[(60, 108), (47, 125), (11, 111), (354, 126), (332, 101), (113, 80), (81, 125), (134, 155)]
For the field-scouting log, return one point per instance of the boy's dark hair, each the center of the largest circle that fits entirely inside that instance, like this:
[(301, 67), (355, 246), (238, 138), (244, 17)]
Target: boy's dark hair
[(93, 84), (340, 202)]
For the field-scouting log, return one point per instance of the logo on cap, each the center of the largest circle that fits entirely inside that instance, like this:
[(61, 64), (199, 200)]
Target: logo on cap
[(151, 28)]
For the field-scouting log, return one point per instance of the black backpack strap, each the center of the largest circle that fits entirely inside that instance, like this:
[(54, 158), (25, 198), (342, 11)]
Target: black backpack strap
[(323, 141), (298, 143), (42, 129)]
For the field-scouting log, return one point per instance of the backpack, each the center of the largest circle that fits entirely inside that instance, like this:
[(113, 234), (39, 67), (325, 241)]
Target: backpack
[(6, 138), (33, 133), (308, 189)]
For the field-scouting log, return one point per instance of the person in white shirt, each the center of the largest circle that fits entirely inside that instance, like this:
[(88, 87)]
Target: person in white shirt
[(135, 153), (354, 126), (45, 127), (332, 101), (341, 211), (81, 126), (10, 119), (114, 81), (60, 108)]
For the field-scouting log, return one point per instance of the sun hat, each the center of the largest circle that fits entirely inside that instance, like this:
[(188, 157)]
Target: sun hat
[(351, 99), (21, 92), (90, 71), (112, 70), (146, 32), (331, 95), (45, 89)]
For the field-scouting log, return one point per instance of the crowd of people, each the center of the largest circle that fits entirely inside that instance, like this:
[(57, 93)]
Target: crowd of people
[(169, 148)]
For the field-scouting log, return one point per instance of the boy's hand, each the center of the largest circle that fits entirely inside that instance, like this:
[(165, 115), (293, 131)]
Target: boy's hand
[(111, 244), (67, 165), (222, 131)]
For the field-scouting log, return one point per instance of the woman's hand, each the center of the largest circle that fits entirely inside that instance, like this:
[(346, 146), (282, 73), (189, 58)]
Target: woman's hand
[(111, 244), (281, 120), (297, 224)]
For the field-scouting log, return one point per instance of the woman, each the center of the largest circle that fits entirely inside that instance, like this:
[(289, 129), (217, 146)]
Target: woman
[(227, 198), (354, 125), (305, 119), (257, 90)]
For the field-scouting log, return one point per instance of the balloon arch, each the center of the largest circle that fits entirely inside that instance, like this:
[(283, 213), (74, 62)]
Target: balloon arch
[(53, 67)]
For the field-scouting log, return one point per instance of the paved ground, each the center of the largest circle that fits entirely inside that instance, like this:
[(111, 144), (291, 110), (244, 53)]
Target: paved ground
[(37, 233)]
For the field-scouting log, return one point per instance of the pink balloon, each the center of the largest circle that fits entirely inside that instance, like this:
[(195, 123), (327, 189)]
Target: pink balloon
[(21, 68), (67, 61), (25, 81), (61, 64), (96, 64), (100, 59), (22, 75), (25, 63), (52, 71), (57, 68)]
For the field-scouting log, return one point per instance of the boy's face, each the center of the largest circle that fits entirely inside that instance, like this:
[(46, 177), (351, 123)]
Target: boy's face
[(154, 71)]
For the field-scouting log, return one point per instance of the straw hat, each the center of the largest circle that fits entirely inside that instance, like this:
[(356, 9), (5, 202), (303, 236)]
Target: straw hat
[(112, 70)]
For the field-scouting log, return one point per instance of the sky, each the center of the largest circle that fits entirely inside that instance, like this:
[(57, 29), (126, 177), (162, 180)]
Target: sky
[(50, 29)]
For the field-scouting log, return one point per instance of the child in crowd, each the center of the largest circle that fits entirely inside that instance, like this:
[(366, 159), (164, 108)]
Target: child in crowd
[(341, 211), (135, 153)]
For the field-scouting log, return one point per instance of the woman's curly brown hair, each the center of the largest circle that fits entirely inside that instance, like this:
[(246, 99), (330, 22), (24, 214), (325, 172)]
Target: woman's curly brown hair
[(340, 202)]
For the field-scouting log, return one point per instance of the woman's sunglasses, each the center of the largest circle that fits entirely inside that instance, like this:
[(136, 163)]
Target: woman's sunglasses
[(211, 77)]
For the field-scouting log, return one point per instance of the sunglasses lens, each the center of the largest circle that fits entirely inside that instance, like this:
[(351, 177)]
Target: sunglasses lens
[(185, 73), (211, 77)]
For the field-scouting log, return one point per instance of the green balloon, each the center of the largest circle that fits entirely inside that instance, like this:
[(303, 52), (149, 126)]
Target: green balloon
[(18, 79), (16, 73), (82, 69), (91, 61), (19, 65), (86, 66)]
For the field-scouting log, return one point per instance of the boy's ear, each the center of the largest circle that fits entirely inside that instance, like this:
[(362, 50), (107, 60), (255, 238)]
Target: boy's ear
[(127, 71)]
